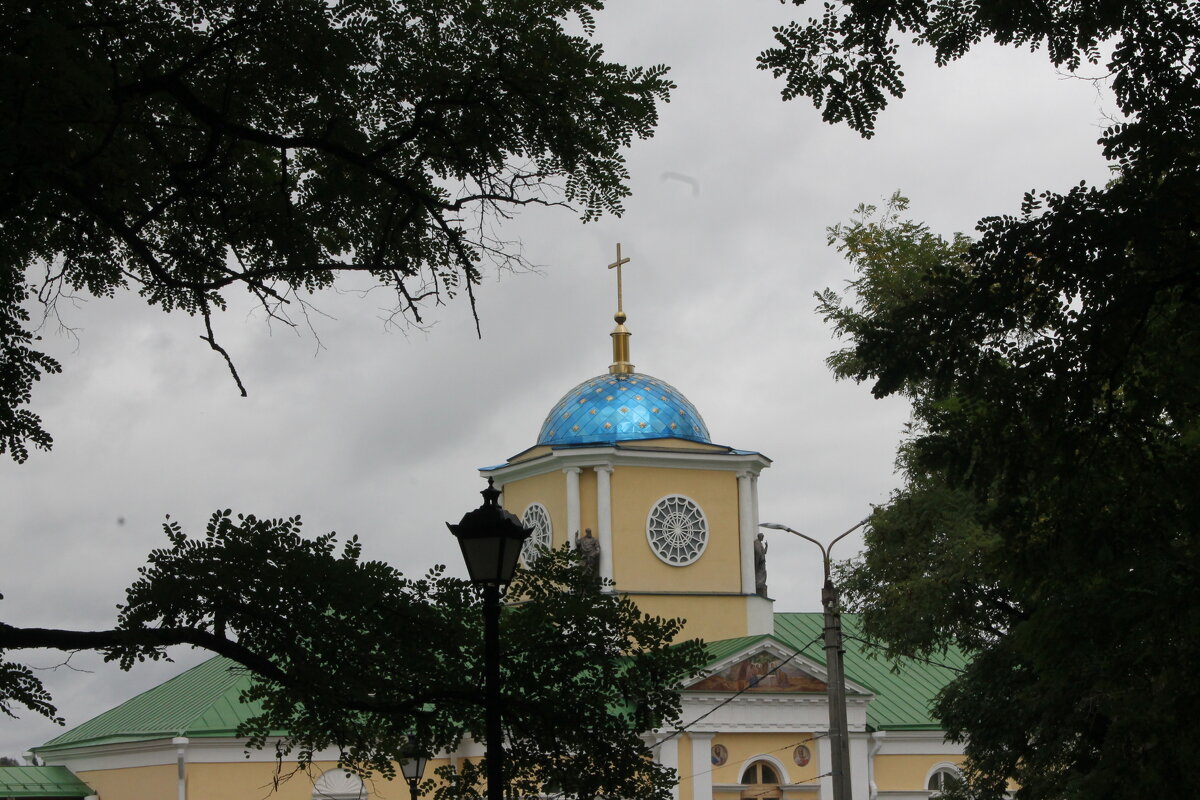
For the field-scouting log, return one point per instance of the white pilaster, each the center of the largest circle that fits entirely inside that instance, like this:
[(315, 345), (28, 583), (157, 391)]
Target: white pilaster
[(860, 773), (668, 756), (754, 500), (701, 765), (181, 743), (825, 766), (604, 519), (746, 530), (572, 474)]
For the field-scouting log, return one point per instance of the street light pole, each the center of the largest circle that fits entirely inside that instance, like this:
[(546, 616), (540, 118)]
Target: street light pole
[(491, 690), (491, 540), (839, 732)]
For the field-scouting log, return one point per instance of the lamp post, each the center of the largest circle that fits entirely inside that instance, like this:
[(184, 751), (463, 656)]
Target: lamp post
[(491, 540), (836, 684), (412, 766)]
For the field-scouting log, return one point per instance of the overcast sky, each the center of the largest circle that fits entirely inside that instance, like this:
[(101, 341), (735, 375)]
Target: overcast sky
[(379, 432)]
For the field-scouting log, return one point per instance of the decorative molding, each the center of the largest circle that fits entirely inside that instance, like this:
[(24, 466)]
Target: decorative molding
[(916, 743), (584, 457)]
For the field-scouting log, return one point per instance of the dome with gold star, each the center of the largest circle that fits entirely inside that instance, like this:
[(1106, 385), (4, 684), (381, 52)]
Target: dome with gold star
[(622, 407)]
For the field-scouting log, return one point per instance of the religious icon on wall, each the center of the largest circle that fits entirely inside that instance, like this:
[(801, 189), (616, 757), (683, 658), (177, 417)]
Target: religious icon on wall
[(719, 755), (761, 672), (801, 755)]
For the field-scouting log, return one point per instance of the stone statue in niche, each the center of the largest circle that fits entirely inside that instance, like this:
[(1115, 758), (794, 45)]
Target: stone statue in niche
[(760, 565), (589, 552)]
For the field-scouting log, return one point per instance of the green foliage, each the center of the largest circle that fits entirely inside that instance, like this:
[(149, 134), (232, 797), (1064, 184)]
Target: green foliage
[(845, 59), (350, 654), (1048, 520), (185, 149)]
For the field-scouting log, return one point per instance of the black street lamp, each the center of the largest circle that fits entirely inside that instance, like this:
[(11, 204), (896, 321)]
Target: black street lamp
[(491, 540), (836, 684), (412, 766)]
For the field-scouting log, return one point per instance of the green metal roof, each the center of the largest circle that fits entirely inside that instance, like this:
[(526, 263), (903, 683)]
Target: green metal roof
[(904, 689), (41, 782), (204, 701), (724, 648)]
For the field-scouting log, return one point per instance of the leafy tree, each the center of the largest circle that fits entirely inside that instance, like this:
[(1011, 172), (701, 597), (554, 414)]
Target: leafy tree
[(184, 150), (333, 642), (1049, 513), (1048, 518)]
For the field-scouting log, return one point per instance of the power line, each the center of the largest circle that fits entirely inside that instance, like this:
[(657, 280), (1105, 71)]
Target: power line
[(776, 750), (738, 693), (931, 662)]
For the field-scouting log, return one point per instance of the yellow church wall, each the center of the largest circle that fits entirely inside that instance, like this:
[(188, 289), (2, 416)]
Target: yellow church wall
[(247, 778), (685, 767), (635, 490), (133, 783), (550, 490), (744, 746), (708, 617), (907, 772), (221, 781)]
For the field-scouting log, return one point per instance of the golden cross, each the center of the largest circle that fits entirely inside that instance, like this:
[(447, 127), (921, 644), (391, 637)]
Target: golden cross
[(617, 265)]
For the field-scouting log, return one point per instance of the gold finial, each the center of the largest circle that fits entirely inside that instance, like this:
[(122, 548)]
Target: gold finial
[(620, 334)]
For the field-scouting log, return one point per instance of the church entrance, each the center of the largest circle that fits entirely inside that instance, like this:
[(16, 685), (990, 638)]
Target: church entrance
[(760, 781)]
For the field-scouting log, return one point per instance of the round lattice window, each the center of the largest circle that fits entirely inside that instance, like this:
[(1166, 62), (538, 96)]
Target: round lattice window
[(677, 530), (537, 518)]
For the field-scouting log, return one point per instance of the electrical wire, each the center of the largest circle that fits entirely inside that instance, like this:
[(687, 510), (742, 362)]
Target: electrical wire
[(882, 648), (738, 693)]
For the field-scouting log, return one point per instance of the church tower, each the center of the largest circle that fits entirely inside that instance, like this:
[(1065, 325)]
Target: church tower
[(626, 460)]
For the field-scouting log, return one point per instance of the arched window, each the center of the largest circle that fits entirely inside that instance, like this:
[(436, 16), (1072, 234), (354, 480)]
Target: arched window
[(943, 779), (760, 772)]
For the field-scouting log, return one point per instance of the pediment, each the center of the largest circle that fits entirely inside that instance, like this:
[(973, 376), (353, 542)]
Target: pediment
[(767, 668)]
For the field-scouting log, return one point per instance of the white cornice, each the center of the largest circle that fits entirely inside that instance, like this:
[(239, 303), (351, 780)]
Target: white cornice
[(617, 456), (911, 743)]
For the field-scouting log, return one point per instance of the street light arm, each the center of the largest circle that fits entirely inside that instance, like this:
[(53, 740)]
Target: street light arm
[(864, 521), (775, 526), (825, 549)]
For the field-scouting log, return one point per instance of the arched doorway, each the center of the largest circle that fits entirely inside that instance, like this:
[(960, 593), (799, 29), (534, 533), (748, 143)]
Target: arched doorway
[(761, 779)]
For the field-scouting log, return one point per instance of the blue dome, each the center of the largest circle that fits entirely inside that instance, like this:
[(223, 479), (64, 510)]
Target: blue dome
[(622, 408)]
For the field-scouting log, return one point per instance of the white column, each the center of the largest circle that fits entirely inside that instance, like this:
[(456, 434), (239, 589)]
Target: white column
[(701, 765), (604, 519), (746, 530), (572, 504)]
